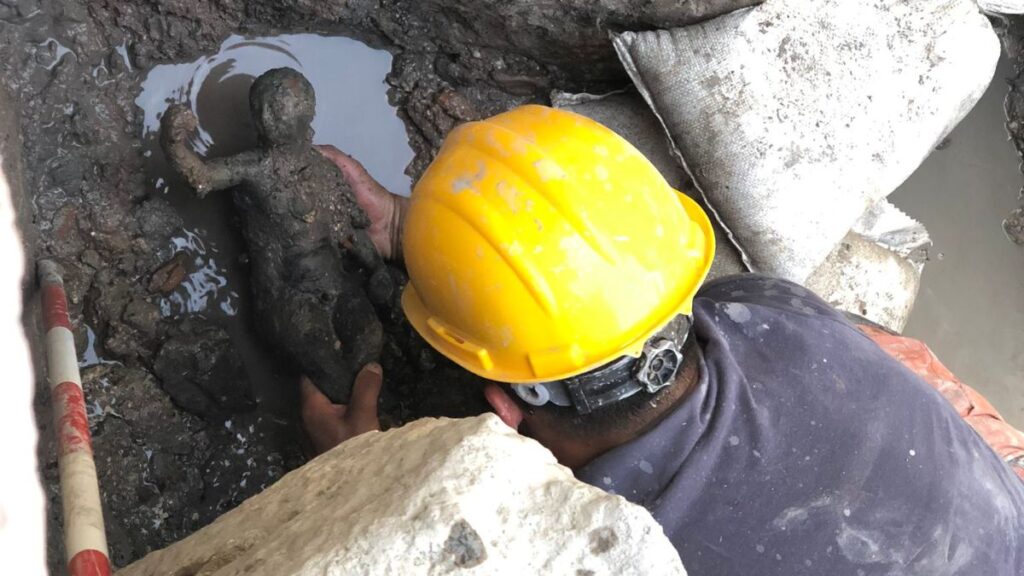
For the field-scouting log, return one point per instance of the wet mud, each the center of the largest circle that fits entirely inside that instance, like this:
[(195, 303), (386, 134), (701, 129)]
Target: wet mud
[(153, 274)]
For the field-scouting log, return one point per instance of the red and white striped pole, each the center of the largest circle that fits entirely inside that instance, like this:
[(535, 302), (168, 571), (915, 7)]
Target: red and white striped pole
[(85, 541)]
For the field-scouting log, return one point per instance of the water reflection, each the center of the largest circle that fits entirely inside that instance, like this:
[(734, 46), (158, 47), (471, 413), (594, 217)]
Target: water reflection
[(352, 108), (204, 286), (89, 356)]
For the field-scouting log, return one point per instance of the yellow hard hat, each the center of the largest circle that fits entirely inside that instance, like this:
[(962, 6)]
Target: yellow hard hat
[(541, 245)]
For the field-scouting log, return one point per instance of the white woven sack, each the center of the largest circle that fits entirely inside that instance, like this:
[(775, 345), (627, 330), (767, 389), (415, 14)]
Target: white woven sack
[(794, 117), (1002, 6)]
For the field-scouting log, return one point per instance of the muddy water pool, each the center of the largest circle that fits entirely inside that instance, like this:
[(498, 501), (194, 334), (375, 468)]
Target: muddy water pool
[(969, 308), (352, 113)]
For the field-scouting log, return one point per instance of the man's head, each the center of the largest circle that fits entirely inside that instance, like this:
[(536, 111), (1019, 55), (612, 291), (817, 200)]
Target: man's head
[(544, 250), (283, 103), (576, 437)]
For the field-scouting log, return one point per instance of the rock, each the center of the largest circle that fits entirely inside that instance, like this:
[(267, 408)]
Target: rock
[(1013, 226), (92, 259), (77, 282), (249, 452), (109, 296), (203, 373), (562, 34), (124, 342), (148, 456), (434, 497), (170, 274), (457, 106), (134, 396), (868, 280), (158, 220), (142, 315)]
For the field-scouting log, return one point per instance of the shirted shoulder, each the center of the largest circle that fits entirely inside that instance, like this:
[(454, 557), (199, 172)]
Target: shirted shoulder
[(770, 292)]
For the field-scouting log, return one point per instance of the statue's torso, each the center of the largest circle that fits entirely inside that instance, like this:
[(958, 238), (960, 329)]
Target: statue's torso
[(295, 210)]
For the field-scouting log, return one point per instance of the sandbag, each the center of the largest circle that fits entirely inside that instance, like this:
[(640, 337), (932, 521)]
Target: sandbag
[(873, 272), (863, 278), (892, 229), (795, 117), (1002, 6)]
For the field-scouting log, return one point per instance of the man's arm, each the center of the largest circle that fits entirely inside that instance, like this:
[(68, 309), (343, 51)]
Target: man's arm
[(206, 176)]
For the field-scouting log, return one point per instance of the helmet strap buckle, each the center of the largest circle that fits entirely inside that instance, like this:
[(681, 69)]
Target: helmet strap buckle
[(659, 363), (657, 367)]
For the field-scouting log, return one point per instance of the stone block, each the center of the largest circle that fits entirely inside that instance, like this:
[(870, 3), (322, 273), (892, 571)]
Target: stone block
[(865, 279), (438, 496)]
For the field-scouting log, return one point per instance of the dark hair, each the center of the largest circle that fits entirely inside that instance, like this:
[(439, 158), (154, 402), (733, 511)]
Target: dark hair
[(630, 414)]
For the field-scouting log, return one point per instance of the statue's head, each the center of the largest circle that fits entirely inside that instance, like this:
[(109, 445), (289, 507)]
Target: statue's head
[(282, 103)]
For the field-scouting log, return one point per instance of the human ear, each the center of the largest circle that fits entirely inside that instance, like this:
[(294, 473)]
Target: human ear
[(504, 406)]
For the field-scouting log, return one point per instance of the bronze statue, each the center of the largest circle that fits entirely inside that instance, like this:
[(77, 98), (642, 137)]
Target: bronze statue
[(315, 272)]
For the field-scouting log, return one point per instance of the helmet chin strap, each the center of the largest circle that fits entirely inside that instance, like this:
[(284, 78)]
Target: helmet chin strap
[(655, 369)]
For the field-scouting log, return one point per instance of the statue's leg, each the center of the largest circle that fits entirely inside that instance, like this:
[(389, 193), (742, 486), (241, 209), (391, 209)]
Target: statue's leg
[(381, 286), (356, 324), (300, 323)]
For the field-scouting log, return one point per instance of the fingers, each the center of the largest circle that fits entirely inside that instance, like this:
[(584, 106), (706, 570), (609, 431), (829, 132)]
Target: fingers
[(320, 418), (315, 404), (365, 391), (310, 394), (334, 155), (368, 191), (327, 424), (385, 210), (355, 173), (329, 151)]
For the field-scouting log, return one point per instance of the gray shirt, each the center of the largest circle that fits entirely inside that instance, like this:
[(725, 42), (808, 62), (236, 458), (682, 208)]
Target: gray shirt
[(806, 449)]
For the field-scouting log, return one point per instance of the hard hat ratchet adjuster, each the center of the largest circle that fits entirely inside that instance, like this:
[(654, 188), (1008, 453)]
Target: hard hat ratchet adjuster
[(655, 369)]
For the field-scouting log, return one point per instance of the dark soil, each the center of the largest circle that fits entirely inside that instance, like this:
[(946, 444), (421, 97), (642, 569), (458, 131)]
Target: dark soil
[(179, 435), (1011, 30)]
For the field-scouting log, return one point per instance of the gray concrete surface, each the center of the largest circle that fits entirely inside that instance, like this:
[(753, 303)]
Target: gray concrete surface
[(970, 309)]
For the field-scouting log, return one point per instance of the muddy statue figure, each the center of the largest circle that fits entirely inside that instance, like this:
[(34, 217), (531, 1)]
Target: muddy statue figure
[(315, 272)]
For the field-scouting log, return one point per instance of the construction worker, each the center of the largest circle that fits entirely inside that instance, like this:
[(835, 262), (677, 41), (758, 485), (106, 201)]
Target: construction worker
[(764, 431)]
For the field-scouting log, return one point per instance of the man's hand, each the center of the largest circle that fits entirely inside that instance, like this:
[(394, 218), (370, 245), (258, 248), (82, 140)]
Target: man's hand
[(330, 424), (385, 210)]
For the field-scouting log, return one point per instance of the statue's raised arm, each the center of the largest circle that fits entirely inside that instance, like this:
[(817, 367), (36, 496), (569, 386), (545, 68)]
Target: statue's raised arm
[(205, 175)]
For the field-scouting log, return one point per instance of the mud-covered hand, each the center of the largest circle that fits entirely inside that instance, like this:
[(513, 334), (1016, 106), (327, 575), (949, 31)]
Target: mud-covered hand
[(330, 424), (385, 210)]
